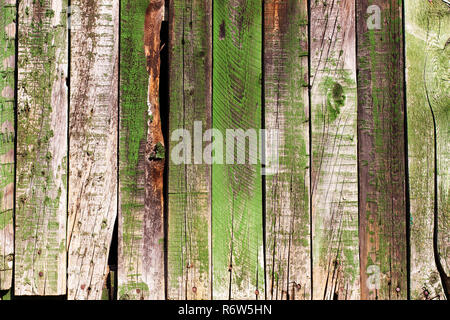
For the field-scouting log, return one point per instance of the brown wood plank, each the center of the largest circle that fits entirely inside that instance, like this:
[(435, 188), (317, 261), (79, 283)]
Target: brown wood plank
[(381, 149)]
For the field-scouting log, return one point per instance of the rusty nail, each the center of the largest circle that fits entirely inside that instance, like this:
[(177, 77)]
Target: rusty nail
[(138, 290), (83, 286), (256, 291), (299, 286), (194, 289), (41, 274), (426, 293), (397, 289)]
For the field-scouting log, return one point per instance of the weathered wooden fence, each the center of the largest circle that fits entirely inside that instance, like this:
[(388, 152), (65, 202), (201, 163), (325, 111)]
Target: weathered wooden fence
[(115, 183)]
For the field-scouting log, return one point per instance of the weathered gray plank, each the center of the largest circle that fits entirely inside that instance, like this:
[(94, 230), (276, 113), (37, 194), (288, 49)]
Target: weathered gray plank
[(7, 66), (334, 151), (93, 144), (428, 100), (40, 240)]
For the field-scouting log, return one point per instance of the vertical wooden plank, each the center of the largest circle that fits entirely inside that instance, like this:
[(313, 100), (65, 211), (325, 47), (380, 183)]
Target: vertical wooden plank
[(382, 213), (93, 132), (287, 111), (334, 151), (428, 101), (189, 189), (7, 67), (141, 233), (237, 235), (40, 241)]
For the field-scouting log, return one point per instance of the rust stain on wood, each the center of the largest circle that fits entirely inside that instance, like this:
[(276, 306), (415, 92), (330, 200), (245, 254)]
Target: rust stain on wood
[(155, 156)]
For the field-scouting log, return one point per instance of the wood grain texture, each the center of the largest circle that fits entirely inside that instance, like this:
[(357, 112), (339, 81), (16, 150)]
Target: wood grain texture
[(7, 121), (189, 189), (93, 144), (140, 261), (40, 240), (334, 151), (288, 260), (381, 150), (237, 234), (428, 101)]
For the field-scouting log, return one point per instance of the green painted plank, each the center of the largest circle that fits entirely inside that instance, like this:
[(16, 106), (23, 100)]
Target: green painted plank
[(93, 144), (140, 273), (288, 261), (428, 110), (42, 120), (381, 150), (189, 182), (334, 151), (237, 235), (133, 135), (7, 66)]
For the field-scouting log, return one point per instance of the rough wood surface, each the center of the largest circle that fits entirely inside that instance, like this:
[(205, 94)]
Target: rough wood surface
[(93, 144), (428, 100), (7, 117), (288, 260), (189, 189), (381, 146), (237, 234), (140, 275), (40, 240), (334, 151)]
